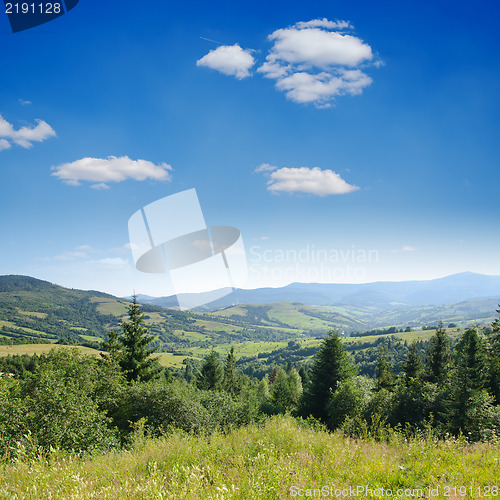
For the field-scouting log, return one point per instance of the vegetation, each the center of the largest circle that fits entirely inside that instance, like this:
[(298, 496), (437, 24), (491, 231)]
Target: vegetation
[(76, 412), (255, 462)]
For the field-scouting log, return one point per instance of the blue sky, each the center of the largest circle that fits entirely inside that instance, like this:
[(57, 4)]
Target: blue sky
[(372, 148)]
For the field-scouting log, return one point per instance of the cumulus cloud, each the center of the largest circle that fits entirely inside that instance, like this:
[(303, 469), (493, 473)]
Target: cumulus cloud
[(311, 61), (265, 167), (316, 47), (24, 136), (314, 62), (111, 169), (231, 60), (308, 180)]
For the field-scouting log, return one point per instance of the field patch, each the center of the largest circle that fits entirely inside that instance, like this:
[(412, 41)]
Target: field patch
[(30, 349)]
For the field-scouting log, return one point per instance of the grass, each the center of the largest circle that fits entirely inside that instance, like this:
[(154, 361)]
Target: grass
[(256, 462), (170, 360), (31, 349), (110, 306)]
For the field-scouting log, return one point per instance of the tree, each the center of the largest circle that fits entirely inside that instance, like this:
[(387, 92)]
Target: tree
[(136, 360), (438, 355), (384, 373), (413, 366), (332, 365), (286, 390), (232, 382), (472, 410), (113, 347), (211, 374), (493, 338), (349, 400)]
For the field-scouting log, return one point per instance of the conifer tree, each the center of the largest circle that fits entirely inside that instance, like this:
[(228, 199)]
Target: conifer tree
[(384, 373), (136, 359), (438, 356), (494, 359), (211, 374), (413, 366), (332, 365), (470, 402), (231, 382)]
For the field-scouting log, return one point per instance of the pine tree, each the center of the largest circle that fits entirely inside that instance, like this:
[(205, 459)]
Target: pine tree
[(136, 360), (438, 356), (211, 374), (332, 364)]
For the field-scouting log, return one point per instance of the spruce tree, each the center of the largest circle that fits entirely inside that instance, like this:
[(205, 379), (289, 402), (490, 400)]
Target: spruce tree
[(211, 374), (413, 366), (438, 356), (470, 402), (332, 365), (494, 359), (136, 360)]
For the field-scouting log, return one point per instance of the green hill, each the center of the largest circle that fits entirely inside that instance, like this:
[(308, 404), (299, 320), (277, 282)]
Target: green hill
[(33, 310)]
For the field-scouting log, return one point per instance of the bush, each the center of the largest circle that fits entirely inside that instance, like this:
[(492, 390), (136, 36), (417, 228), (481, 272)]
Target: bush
[(178, 405)]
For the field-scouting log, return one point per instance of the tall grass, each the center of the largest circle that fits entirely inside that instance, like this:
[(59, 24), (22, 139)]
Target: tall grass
[(254, 462)]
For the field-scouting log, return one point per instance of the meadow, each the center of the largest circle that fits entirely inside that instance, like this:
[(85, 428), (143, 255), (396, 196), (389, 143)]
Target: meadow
[(283, 458)]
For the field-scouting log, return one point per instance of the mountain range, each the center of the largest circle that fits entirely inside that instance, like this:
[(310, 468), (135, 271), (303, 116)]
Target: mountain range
[(377, 296)]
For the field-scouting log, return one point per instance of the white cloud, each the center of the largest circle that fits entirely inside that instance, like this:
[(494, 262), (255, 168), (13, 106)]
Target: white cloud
[(70, 255), (324, 23), (231, 60), (111, 169), (4, 144), (265, 167), (23, 102), (25, 136), (101, 185), (308, 180), (406, 248), (313, 62), (321, 88), (111, 263), (315, 47)]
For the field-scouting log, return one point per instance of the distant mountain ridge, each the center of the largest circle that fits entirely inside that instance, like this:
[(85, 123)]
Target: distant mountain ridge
[(379, 295)]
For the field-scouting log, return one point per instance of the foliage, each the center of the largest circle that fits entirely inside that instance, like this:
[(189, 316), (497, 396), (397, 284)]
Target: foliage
[(135, 358), (332, 365), (211, 374), (438, 356)]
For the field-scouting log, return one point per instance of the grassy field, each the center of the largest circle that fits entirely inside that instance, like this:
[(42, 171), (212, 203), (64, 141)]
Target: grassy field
[(276, 461), (31, 349)]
